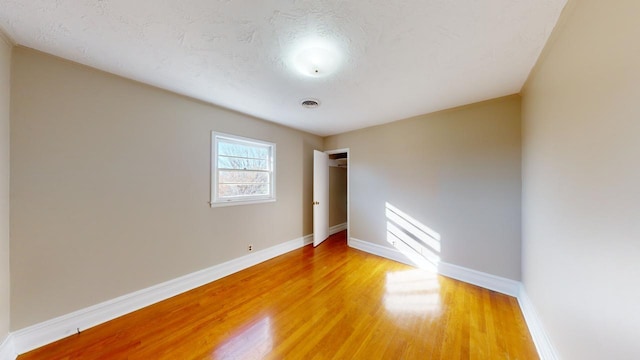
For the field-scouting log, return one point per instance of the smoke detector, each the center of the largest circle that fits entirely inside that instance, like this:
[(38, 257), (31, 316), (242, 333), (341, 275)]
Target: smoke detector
[(310, 103)]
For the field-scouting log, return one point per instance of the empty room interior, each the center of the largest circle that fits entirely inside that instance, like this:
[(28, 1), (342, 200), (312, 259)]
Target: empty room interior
[(319, 179)]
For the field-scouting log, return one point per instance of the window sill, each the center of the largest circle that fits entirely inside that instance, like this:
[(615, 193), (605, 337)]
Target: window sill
[(240, 202)]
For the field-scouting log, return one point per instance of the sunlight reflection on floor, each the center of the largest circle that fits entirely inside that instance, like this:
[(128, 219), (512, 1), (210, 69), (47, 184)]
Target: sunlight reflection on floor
[(254, 342), (412, 292)]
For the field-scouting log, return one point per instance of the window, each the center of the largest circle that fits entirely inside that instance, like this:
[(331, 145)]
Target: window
[(243, 170)]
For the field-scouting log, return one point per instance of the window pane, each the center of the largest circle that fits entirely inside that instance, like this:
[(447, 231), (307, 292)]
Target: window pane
[(243, 177), (231, 190), (240, 150), (225, 162), (242, 170)]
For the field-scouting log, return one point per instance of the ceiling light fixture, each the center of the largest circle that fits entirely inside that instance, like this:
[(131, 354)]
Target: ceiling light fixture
[(316, 58)]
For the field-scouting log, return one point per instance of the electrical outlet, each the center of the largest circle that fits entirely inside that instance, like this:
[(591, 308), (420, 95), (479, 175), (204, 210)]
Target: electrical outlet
[(250, 247)]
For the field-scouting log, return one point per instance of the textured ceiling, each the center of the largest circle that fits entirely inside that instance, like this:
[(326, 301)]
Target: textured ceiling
[(396, 59)]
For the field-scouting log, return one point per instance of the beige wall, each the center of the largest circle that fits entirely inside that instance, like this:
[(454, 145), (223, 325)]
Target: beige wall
[(337, 196), (581, 189), (110, 187), (455, 171), (5, 74)]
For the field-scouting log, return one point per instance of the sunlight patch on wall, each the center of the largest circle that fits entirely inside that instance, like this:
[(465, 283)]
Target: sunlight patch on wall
[(418, 242)]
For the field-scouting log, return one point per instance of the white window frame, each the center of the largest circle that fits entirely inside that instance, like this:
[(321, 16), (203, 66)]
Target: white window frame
[(216, 200)]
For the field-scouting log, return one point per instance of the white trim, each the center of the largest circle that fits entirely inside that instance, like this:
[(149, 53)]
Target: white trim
[(215, 201), (348, 152), (240, 202), (487, 281), (337, 228), (379, 250), (338, 151), (478, 278), (545, 348), (49, 331), (543, 344), (7, 350)]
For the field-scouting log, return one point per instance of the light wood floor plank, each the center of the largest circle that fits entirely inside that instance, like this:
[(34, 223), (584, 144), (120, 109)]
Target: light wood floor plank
[(331, 302)]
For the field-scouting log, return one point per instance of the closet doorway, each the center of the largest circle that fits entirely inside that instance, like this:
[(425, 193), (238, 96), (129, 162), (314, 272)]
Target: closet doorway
[(330, 193)]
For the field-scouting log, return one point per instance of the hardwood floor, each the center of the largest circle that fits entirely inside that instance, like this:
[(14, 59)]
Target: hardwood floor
[(331, 302)]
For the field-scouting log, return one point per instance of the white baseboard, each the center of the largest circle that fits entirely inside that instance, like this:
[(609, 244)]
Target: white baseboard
[(49, 331), (7, 350), (545, 348), (55, 329), (337, 228), (543, 344), (379, 250), (487, 281), (478, 278)]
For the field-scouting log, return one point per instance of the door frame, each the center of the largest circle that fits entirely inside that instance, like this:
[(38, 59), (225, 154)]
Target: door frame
[(347, 151)]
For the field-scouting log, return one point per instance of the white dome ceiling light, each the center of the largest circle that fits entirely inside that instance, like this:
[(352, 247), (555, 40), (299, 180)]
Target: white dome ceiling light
[(316, 58), (370, 65)]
